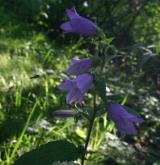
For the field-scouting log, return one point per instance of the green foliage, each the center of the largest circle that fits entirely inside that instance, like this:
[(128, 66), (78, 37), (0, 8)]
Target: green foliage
[(100, 85), (127, 22), (33, 58), (48, 153), (27, 10), (63, 163)]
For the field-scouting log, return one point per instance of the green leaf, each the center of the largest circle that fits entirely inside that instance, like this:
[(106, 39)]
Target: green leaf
[(143, 60), (100, 85), (48, 153)]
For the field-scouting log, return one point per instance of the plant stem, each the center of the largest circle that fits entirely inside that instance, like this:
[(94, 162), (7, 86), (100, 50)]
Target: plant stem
[(90, 128)]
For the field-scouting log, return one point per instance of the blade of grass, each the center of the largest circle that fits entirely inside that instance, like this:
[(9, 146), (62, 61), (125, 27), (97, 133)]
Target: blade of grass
[(22, 133)]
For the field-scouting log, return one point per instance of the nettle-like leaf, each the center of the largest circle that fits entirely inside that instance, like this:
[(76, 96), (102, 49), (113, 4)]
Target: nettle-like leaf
[(48, 153), (100, 85), (144, 59)]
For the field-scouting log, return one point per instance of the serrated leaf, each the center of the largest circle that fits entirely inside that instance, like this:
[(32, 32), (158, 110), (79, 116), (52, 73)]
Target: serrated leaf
[(48, 153), (100, 85), (143, 60)]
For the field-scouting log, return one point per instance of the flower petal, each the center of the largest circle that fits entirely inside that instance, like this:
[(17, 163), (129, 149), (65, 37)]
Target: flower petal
[(78, 24), (64, 113), (71, 13), (66, 27), (136, 119), (67, 85), (74, 95), (79, 66), (83, 26), (123, 120), (84, 82), (74, 60)]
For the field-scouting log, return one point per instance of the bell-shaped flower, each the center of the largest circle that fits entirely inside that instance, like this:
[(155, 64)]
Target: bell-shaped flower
[(124, 121), (76, 88), (64, 113), (78, 24), (79, 66)]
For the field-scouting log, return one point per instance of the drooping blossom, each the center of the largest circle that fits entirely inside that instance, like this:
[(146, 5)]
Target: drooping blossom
[(124, 121), (76, 88), (79, 66), (78, 24), (64, 113)]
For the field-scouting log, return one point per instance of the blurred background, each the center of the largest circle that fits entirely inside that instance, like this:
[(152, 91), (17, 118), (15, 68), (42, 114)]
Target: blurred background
[(34, 53)]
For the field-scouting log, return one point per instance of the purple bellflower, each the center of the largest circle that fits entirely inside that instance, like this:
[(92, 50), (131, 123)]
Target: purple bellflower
[(78, 24), (76, 88), (79, 66), (64, 113), (124, 121)]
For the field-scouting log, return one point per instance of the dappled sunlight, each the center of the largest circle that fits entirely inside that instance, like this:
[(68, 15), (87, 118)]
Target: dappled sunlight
[(79, 82)]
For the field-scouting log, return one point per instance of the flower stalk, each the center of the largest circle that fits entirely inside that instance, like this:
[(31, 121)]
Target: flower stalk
[(91, 122)]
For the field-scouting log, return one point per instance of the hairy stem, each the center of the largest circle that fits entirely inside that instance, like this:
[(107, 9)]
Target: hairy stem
[(89, 128)]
